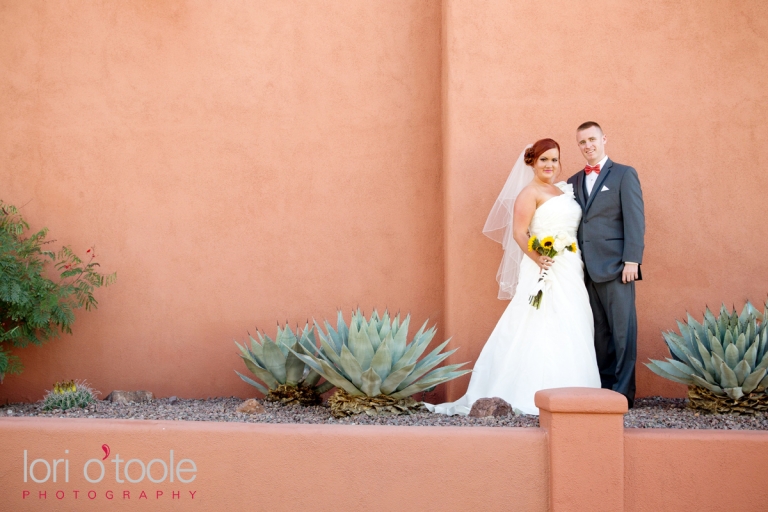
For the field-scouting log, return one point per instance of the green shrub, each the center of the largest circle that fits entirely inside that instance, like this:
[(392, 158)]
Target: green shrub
[(33, 307)]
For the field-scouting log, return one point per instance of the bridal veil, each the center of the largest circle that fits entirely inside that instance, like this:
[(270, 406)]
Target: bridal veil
[(498, 227)]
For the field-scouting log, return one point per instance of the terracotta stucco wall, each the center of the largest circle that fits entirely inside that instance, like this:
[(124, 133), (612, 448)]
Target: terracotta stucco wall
[(664, 470), (237, 163), (682, 93), (273, 467), (240, 162), (581, 459)]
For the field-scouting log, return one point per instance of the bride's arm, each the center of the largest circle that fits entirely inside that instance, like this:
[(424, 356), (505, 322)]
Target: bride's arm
[(525, 207)]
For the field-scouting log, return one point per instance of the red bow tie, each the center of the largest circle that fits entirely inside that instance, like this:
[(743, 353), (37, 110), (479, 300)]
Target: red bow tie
[(589, 169)]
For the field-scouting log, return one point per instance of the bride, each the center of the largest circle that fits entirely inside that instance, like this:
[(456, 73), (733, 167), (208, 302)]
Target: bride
[(532, 349)]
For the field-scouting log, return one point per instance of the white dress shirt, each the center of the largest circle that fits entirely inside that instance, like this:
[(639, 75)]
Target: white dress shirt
[(591, 178)]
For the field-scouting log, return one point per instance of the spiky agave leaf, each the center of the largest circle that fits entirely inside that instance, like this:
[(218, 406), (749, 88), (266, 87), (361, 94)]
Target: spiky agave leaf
[(752, 380), (723, 357), (374, 357), (276, 363), (432, 379), (668, 371)]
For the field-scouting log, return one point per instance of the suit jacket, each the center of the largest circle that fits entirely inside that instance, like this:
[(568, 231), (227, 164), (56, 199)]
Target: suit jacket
[(612, 228)]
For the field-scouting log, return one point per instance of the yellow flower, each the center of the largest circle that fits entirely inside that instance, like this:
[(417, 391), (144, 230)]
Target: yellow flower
[(64, 387), (548, 242), (572, 247), (530, 243)]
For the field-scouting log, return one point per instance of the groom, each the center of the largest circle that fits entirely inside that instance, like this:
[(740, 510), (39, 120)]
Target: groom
[(611, 239)]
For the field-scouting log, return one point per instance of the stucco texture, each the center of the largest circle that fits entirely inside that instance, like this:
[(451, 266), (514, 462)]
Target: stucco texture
[(664, 470), (681, 92), (239, 163), (275, 467)]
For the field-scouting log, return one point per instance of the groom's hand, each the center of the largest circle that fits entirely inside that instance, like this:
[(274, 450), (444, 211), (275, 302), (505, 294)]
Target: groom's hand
[(630, 272)]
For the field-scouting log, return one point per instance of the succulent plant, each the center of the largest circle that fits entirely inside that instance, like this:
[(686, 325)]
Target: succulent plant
[(373, 365), (286, 378), (69, 394), (724, 360)]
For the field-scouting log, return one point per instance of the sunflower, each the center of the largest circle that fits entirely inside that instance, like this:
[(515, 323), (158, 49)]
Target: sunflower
[(572, 247), (530, 243), (548, 242)]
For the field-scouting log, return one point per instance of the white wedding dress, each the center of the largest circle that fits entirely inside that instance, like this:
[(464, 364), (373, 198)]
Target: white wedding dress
[(532, 349)]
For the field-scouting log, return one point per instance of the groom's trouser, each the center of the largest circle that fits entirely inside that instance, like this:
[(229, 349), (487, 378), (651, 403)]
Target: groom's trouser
[(613, 308)]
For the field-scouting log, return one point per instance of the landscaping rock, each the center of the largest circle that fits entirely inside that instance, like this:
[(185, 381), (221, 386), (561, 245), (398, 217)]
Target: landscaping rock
[(653, 412), (251, 406), (172, 400), (125, 397), (486, 407)]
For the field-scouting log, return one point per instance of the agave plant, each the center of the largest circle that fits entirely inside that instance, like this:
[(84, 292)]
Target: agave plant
[(723, 361), (374, 367), (286, 378)]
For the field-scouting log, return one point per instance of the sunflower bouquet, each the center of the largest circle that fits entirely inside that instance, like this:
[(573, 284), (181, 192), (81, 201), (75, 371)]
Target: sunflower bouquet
[(549, 246)]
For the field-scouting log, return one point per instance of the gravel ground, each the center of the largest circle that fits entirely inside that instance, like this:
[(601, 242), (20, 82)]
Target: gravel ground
[(658, 412), (652, 412)]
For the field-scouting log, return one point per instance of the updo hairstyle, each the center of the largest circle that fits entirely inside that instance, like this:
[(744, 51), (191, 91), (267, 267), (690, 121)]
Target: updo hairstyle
[(539, 147)]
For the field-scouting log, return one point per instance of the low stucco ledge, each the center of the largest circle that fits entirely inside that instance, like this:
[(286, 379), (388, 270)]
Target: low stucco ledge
[(581, 400)]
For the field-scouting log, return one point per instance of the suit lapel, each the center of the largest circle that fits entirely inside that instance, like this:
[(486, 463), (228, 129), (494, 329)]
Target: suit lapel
[(599, 183), (580, 189)]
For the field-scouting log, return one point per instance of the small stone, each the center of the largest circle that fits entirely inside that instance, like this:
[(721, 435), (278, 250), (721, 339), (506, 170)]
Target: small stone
[(124, 397), (10, 412), (251, 406), (485, 407), (173, 400)]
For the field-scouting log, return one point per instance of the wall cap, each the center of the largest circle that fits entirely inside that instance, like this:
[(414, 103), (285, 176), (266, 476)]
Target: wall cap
[(581, 400)]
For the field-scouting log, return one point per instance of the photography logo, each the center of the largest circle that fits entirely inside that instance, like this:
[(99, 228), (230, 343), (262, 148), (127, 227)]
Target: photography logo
[(167, 477)]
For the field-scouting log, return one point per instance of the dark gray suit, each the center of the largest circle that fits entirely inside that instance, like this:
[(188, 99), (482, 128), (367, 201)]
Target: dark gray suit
[(611, 232)]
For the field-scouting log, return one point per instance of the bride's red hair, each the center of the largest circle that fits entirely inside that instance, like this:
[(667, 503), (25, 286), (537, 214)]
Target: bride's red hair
[(539, 147)]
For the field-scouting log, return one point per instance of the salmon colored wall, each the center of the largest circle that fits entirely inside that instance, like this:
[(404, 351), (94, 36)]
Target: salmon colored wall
[(582, 459), (243, 162), (585, 434), (681, 92), (279, 467), (669, 470), (237, 163)]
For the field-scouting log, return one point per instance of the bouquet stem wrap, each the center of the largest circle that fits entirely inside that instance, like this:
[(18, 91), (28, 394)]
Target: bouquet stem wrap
[(544, 283), (548, 246)]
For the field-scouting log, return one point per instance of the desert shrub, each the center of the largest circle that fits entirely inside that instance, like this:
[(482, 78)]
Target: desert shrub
[(39, 289)]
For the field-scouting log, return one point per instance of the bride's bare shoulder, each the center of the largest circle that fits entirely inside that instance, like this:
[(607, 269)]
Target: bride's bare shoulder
[(529, 193), (528, 198)]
